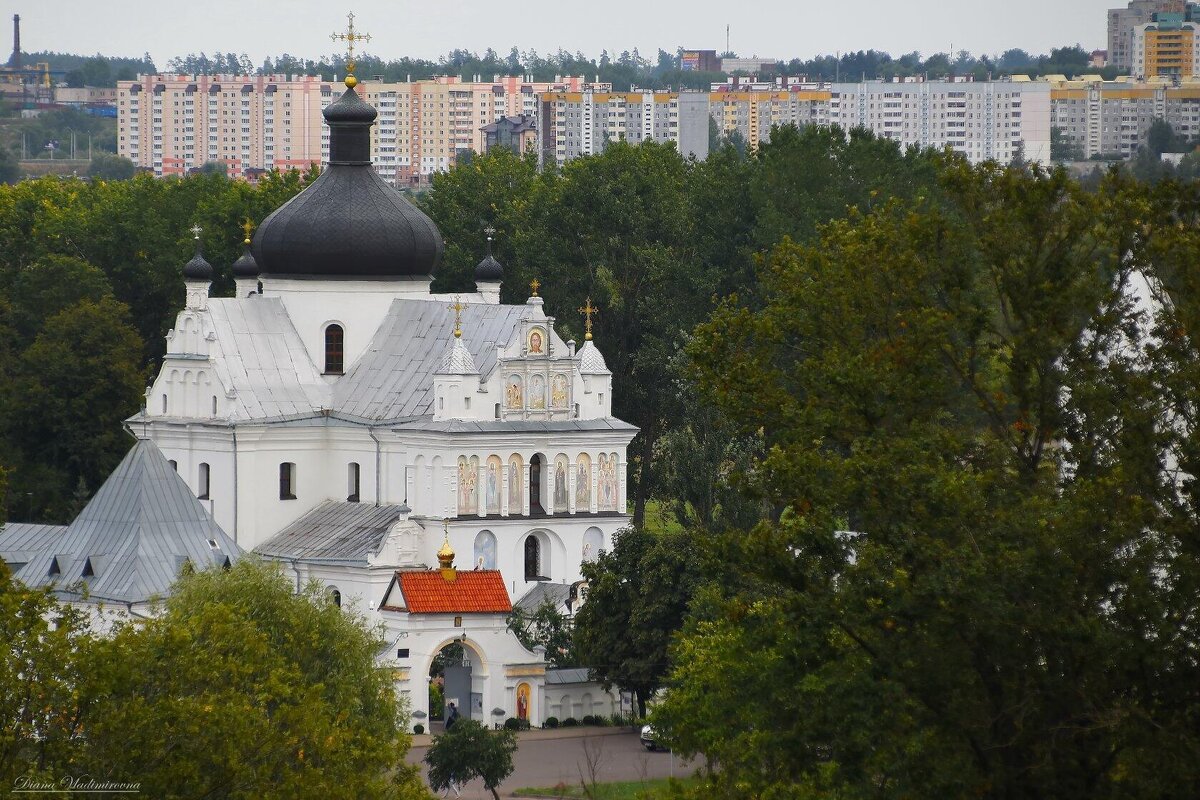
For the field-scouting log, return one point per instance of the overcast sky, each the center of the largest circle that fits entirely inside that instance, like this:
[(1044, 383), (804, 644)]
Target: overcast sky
[(781, 29)]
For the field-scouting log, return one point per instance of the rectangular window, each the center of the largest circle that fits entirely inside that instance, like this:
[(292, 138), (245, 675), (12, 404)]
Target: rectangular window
[(352, 482), (287, 481)]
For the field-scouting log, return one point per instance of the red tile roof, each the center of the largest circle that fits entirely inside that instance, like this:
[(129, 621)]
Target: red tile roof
[(471, 592)]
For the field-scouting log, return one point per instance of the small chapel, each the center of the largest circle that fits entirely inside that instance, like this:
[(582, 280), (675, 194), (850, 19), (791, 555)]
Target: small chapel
[(432, 460)]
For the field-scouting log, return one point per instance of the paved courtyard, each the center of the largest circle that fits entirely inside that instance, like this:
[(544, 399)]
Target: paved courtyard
[(546, 758)]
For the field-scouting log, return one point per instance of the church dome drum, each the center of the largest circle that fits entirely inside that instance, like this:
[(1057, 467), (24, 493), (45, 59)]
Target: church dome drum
[(348, 224)]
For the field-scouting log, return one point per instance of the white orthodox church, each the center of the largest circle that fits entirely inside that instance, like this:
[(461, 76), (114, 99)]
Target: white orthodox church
[(338, 417)]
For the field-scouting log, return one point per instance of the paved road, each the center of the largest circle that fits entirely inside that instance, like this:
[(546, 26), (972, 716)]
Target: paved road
[(541, 761)]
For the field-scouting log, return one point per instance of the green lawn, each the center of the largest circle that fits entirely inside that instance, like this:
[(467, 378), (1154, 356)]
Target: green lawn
[(620, 790)]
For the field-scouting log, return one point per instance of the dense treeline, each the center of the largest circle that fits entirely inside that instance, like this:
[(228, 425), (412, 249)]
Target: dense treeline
[(90, 282), (624, 70)]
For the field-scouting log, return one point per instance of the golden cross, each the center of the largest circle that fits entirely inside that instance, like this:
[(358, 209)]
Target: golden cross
[(350, 37), (247, 226), (457, 308), (195, 229), (587, 311), (533, 286)]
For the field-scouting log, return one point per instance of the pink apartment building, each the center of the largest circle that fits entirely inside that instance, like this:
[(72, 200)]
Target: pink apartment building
[(173, 123)]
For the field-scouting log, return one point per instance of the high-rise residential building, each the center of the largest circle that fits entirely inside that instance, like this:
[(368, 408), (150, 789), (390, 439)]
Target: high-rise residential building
[(1113, 118), (574, 124), (1168, 45), (174, 123), (1121, 25), (993, 120)]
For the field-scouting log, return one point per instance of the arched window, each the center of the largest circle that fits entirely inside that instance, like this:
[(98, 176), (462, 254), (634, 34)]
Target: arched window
[(202, 482), (336, 596), (174, 464), (214, 398), (533, 558), (164, 404), (287, 481), (333, 349), (352, 475)]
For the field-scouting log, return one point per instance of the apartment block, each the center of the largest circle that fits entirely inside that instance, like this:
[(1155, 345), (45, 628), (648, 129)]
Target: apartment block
[(173, 123), (574, 124), (1167, 46), (1121, 25), (992, 120), (1113, 118)]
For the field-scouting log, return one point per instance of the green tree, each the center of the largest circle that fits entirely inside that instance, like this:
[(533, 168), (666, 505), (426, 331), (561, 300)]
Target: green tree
[(638, 595), (1161, 138), (1063, 147), (48, 287), (109, 167), (253, 690), (548, 628), (468, 751), (972, 582), (74, 387), (40, 705)]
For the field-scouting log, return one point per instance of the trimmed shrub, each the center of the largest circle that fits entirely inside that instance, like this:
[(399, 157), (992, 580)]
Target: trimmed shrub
[(588, 719), (514, 724), (570, 722), (551, 722), (418, 728)]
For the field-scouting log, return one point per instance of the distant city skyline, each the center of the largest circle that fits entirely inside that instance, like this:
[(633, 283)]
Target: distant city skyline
[(775, 29)]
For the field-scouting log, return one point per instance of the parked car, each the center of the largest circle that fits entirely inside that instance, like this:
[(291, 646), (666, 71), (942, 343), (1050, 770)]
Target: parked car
[(650, 738)]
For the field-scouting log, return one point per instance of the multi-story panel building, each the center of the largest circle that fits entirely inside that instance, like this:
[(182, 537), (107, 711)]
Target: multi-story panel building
[(1167, 46), (1113, 118), (574, 124), (1121, 25), (996, 120), (173, 123), (753, 112)]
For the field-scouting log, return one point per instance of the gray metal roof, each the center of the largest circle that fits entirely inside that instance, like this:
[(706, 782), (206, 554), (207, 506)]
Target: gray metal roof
[(21, 541), (572, 675), (334, 531), (394, 378), (136, 533), (260, 355), (556, 593)]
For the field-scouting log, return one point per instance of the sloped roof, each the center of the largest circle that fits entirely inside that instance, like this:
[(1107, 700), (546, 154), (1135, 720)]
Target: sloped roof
[(568, 675), (334, 531), (478, 591), (556, 593), (21, 541), (264, 359), (394, 378), (136, 533)]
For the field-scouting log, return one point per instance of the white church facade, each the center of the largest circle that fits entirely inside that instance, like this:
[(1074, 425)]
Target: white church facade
[(339, 418)]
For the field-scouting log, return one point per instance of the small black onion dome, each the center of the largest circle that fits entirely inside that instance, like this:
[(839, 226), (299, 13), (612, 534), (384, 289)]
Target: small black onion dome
[(348, 224), (246, 266), (489, 270), (350, 108), (197, 269)]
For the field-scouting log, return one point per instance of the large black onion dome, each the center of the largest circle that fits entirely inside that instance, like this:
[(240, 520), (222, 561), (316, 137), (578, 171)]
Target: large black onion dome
[(349, 223), (246, 266), (489, 270), (197, 269)]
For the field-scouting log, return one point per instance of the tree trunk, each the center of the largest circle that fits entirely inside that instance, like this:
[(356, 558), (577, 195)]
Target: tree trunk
[(495, 794)]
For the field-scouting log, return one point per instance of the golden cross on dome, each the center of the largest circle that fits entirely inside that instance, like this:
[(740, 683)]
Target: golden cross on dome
[(490, 232), (587, 311), (247, 226), (533, 286), (457, 308), (196, 231), (350, 37)]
